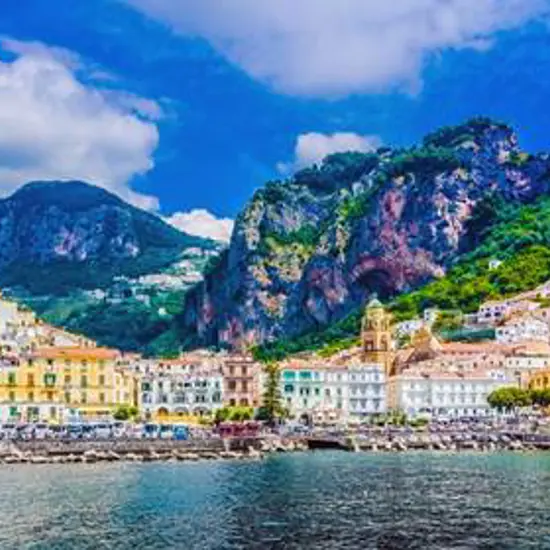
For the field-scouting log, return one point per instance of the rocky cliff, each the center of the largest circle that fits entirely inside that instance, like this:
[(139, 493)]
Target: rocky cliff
[(307, 251)]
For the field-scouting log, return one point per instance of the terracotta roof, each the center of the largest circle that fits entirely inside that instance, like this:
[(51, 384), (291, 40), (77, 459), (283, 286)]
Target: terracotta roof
[(531, 347), (477, 348)]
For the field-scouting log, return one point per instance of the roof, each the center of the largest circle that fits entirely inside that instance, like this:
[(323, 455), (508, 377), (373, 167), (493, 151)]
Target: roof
[(374, 303), (531, 347), (480, 374), (71, 352), (475, 348)]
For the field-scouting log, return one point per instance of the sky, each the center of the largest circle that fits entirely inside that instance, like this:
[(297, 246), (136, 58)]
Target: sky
[(185, 107)]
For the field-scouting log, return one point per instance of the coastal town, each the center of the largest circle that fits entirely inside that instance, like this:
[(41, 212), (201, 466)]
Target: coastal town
[(51, 376)]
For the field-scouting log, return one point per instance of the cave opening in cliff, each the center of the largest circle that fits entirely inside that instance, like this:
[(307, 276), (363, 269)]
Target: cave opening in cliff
[(377, 281)]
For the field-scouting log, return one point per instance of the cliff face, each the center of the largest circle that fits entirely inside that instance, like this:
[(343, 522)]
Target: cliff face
[(307, 251)]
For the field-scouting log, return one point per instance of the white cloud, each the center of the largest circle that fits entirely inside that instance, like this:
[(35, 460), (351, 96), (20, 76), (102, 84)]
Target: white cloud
[(54, 126), (334, 47), (313, 147), (202, 223)]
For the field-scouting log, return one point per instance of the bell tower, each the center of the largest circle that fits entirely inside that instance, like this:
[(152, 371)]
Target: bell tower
[(376, 335)]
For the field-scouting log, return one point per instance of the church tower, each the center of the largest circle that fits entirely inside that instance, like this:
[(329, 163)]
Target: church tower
[(376, 336)]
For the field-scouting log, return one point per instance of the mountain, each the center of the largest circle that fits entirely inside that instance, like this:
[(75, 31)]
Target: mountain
[(85, 259), (55, 236), (307, 252)]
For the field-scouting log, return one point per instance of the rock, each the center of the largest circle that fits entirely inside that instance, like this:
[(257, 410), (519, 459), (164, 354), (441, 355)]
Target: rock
[(253, 453), (37, 459), (230, 455)]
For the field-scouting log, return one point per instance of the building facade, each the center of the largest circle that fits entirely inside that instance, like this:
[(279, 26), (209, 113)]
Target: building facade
[(366, 390), (182, 390), (61, 384), (446, 394), (241, 380), (522, 329), (314, 392)]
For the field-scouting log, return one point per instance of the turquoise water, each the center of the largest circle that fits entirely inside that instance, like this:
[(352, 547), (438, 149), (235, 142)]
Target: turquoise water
[(319, 500)]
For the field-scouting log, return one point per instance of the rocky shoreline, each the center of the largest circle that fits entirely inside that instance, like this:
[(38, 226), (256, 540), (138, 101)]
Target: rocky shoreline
[(90, 452)]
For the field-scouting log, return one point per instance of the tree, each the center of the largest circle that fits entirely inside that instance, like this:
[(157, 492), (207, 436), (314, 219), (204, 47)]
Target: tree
[(271, 402), (222, 415), (125, 412), (509, 398), (233, 414), (541, 397)]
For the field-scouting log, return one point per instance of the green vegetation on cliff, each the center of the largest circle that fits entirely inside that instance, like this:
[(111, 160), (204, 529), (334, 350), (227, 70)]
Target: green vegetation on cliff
[(517, 235)]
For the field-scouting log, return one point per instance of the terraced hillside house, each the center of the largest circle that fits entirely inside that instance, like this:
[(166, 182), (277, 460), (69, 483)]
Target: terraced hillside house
[(182, 390), (521, 329), (62, 383)]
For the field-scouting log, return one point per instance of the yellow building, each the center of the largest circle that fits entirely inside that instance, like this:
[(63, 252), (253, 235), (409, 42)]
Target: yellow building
[(540, 380), (59, 383)]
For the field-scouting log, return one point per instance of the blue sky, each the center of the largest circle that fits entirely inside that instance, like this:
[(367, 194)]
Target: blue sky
[(187, 106)]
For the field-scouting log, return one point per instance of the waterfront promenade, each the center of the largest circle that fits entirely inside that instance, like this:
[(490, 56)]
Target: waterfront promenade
[(140, 450)]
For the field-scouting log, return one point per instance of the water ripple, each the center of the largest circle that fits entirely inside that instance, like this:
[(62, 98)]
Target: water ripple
[(305, 501)]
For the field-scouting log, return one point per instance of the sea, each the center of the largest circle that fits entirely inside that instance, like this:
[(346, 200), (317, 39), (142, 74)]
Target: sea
[(319, 500)]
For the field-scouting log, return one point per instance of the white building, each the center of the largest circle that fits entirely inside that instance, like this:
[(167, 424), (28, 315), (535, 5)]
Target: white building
[(522, 329), (175, 388), (408, 328), (491, 312), (366, 390), (313, 391), (446, 394), (319, 392)]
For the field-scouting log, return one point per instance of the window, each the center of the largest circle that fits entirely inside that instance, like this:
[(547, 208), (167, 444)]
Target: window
[(101, 379), (30, 379), (83, 381), (53, 412), (67, 397), (245, 371), (289, 388), (317, 391), (49, 379), (232, 385), (245, 386), (11, 396), (83, 398), (30, 396), (67, 379), (11, 378), (49, 396), (102, 398)]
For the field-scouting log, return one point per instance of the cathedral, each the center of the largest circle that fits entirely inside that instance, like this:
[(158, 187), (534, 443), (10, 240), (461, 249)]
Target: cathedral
[(376, 336)]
